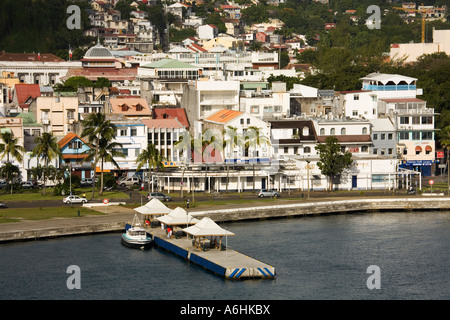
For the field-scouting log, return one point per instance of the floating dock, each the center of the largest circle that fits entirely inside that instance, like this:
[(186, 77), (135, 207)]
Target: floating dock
[(228, 263)]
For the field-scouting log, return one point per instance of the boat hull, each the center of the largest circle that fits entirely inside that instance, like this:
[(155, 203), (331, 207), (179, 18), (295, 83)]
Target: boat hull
[(137, 244)]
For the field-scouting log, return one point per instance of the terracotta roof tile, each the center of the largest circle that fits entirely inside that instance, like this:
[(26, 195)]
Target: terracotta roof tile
[(224, 115), (172, 113), (25, 91)]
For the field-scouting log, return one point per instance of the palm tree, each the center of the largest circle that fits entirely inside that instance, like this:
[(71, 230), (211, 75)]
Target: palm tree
[(231, 140), (212, 143), (153, 159), (10, 147), (184, 145), (254, 139), (445, 141), (105, 151), (100, 133), (48, 149)]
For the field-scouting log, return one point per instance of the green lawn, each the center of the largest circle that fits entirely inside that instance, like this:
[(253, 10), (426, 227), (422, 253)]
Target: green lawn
[(36, 194), (15, 215)]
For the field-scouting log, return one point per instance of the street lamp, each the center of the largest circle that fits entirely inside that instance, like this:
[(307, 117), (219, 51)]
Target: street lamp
[(307, 173)]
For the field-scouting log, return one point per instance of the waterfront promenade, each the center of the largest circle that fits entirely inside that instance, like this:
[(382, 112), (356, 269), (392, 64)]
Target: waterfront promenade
[(117, 216)]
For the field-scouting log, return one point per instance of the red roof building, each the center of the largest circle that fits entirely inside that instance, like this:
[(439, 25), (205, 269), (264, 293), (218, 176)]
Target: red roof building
[(24, 94), (172, 113)]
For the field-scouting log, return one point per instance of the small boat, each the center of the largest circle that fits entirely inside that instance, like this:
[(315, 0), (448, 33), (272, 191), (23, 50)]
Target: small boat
[(136, 236)]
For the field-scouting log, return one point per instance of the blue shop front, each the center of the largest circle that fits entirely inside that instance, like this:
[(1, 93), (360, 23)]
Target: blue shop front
[(423, 166)]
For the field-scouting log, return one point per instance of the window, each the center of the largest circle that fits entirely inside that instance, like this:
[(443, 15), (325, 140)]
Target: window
[(356, 97), (427, 120), (375, 136), (427, 135), (295, 150), (286, 149), (332, 131), (375, 151), (322, 131), (382, 151), (307, 150), (383, 136), (405, 152), (242, 121), (355, 113), (415, 120), (343, 131), (305, 131), (364, 148), (390, 151), (404, 120), (390, 136), (403, 135), (133, 132), (248, 120), (364, 130), (416, 135), (122, 132)]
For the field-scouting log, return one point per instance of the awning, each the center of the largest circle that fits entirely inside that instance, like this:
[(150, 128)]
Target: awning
[(418, 149), (428, 148), (98, 170)]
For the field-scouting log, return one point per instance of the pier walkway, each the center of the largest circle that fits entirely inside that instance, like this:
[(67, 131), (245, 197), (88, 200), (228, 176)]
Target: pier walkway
[(228, 263)]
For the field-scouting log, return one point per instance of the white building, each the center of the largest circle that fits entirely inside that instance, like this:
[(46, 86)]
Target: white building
[(202, 99), (30, 68), (267, 104)]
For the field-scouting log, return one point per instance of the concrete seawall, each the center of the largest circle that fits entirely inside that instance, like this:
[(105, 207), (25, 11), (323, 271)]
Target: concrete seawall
[(325, 207), (117, 217)]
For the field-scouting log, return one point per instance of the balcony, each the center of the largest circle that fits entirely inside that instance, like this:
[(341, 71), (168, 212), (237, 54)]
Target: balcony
[(389, 87)]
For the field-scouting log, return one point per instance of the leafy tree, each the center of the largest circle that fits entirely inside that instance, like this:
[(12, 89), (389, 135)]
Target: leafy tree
[(48, 149), (332, 160), (102, 83), (73, 83)]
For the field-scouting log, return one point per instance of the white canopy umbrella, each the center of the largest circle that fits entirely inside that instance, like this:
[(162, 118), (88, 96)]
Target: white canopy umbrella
[(207, 227), (178, 216), (153, 207)]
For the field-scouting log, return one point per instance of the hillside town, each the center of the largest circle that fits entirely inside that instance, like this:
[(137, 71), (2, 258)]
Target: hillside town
[(217, 88)]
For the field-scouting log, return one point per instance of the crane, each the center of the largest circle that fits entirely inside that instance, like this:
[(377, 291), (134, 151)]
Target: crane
[(423, 11)]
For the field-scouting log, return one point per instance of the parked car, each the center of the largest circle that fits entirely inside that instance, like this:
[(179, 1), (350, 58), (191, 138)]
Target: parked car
[(158, 195), (2, 206), (86, 182), (3, 184), (128, 182), (27, 184), (268, 193), (74, 199)]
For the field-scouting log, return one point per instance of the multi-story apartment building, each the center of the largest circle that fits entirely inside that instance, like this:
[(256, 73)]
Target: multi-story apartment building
[(414, 124), (162, 81), (266, 104), (58, 114), (202, 99)]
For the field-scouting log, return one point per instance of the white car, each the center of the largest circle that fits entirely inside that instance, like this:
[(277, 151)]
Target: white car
[(74, 199)]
